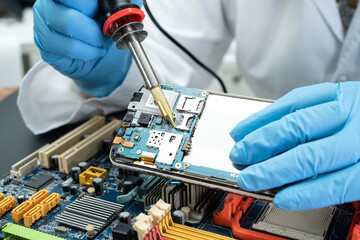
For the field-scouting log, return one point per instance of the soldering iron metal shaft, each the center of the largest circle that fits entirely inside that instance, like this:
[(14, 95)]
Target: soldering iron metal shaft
[(130, 34)]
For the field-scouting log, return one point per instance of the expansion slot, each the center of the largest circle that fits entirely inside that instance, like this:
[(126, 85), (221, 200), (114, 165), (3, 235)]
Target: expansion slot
[(13, 231), (88, 147), (26, 165), (69, 140)]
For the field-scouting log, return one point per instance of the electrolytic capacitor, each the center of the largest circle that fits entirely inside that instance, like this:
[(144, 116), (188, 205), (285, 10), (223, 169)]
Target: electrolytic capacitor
[(73, 190), (65, 187), (125, 217), (20, 198), (178, 216), (98, 184), (54, 159), (128, 186), (83, 166), (75, 172)]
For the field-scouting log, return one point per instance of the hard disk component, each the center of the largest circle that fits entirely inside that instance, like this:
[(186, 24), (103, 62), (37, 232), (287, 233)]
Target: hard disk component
[(159, 225), (167, 143), (92, 172), (190, 104), (304, 225), (39, 181), (90, 210), (14, 231), (233, 210)]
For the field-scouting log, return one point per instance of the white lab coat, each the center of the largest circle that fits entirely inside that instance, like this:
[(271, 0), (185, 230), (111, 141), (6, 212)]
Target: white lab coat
[(281, 45)]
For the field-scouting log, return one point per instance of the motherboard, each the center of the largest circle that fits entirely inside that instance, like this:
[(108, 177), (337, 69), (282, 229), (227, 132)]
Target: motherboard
[(113, 179)]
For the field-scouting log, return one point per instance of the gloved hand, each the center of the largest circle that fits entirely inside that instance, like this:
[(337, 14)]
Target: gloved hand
[(70, 39), (312, 131)]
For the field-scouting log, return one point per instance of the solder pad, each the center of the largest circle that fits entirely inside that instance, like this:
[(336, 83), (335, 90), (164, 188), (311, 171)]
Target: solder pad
[(196, 149)]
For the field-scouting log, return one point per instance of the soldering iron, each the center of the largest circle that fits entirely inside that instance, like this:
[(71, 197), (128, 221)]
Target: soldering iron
[(124, 24)]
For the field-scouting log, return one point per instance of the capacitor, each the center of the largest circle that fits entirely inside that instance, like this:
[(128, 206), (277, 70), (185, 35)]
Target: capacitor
[(91, 191), (75, 172), (20, 198), (63, 176), (65, 187), (54, 159), (106, 145), (186, 210), (83, 166), (128, 186), (73, 190), (178, 216), (98, 184), (125, 217)]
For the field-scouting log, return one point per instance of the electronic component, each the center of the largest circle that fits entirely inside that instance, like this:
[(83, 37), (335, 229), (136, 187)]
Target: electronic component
[(65, 187), (20, 198), (125, 217), (73, 190), (128, 118), (83, 166), (91, 191), (75, 173), (119, 140), (89, 210), (6, 204), (148, 157), (179, 217), (88, 147), (190, 104), (123, 231), (87, 176), (70, 139), (185, 121), (304, 225), (39, 181), (98, 184), (144, 119), (61, 230), (34, 214), (54, 159), (14, 231), (167, 143), (26, 165), (38, 197), (18, 213)]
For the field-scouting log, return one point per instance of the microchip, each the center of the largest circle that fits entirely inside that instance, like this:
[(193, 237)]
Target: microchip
[(144, 119), (39, 181), (158, 121), (15, 182), (64, 195)]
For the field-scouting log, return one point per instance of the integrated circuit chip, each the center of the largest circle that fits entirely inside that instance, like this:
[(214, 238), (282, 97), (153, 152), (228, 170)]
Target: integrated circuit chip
[(39, 181)]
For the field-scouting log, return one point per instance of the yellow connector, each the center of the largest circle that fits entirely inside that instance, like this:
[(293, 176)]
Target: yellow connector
[(92, 172), (50, 202), (7, 204), (18, 213), (1, 196), (34, 214), (39, 196)]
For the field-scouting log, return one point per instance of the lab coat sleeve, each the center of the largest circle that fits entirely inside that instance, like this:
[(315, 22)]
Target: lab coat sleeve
[(48, 99)]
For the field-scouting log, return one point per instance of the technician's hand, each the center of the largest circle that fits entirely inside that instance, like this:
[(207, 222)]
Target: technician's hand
[(311, 134), (70, 39)]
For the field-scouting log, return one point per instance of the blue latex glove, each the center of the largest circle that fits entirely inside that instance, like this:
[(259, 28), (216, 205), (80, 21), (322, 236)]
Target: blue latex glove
[(309, 132), (70, 39)]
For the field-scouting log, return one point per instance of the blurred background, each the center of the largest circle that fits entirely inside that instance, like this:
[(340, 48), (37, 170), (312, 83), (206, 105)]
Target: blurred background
[(18, 52)]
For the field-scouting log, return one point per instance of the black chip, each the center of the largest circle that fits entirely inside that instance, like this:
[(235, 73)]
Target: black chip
[(129, 117), (39, 181), (15, 182), (144, 119), (137, 97), (64, 195)]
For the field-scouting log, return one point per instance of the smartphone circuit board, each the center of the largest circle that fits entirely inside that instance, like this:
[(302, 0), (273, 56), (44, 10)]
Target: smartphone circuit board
[(148, 142)]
